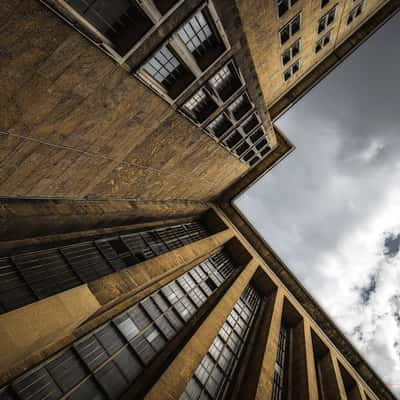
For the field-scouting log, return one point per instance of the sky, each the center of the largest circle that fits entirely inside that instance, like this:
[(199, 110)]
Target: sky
[(331, 209)]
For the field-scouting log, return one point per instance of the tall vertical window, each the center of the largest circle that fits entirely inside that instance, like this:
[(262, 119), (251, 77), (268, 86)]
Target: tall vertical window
[(213, 376), (168, 72), (290, 29), (284, 6), (281, 366), (355, 12), (201, 39), (106, 362), (327, 20), (291, 52)]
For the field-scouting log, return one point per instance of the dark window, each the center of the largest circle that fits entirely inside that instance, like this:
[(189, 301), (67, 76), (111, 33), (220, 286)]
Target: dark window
[(226, 82), (46, 272), (165, 68), (14, 291), (250, 123), (290, 29), (242, 148), (326, 20), (291, 52), (324, 3), (122, 22), (201, 39), (234, 138), (248, 155), (200, 106), (355, 12), (118, 246), (284, 5), (258, 134), (217, 367), (323, 42), (219, 126), (240, 107)]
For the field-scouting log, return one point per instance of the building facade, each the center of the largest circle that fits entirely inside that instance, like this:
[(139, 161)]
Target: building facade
[(127, 129)]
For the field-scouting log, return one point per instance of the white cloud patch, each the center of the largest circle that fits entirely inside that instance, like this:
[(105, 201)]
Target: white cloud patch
[(331, 209)]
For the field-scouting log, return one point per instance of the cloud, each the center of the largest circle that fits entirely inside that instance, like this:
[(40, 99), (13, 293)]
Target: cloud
[(330, 208), (392, 245)]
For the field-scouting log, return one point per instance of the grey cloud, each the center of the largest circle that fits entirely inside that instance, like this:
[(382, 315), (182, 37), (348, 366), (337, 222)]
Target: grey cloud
[(367, 291), (392, 245), (346, 132)]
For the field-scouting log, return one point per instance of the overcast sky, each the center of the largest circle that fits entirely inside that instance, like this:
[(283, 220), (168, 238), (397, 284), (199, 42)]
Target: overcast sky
[(331, 210)]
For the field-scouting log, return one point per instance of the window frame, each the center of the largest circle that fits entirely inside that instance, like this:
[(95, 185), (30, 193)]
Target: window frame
[(321, 41), (353, 12), (291, 3), (290, 69), (78, 22), (289, 25), (290, 50), (183, 54), (325, 18)]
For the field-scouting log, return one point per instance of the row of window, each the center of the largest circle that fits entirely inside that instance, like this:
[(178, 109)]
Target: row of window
[(222, 106), (294, 25), (106, 362), (213, 376), (179, 62), (28, 277)]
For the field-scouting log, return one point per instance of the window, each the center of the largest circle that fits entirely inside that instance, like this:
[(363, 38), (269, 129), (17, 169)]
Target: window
[(200, 106), (290, 29), (226, 82), (110, 358), (291, 52), (355, 12), (291, 71), (284, 5), (215, 370), (219, 126), (240, 106), (251, 123), (324, 3), (280, 373), (324, 41), (326, 20), (166, 70), (119, 27), (200, 38)]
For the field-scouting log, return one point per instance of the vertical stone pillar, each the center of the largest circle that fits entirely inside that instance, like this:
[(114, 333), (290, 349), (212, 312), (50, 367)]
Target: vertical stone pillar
[(330, 386), (264, 388), (310, 361), (173, 381), (339, 379), (363, 396)]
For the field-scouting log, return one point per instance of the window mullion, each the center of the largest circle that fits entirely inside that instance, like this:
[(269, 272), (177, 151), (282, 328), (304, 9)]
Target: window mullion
[(150, 9), (177, 44)]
